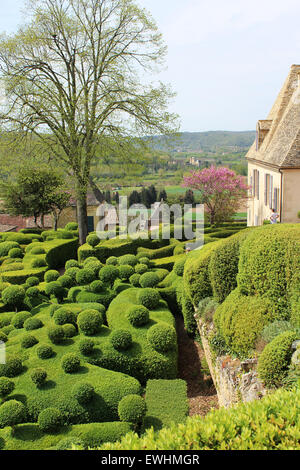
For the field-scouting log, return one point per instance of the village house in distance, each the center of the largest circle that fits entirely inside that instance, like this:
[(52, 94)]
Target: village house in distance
[(274, 159)]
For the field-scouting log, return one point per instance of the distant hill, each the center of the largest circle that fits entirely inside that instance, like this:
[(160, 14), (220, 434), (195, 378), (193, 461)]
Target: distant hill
[(204, 141)]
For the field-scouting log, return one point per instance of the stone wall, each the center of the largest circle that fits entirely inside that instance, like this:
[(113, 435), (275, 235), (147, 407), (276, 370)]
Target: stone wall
[(235, 381)]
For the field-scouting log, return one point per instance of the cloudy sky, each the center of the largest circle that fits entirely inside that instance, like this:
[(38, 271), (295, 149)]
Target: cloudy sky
[(227, 59)]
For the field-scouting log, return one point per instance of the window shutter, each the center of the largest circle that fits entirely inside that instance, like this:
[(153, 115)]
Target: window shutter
[(257, 185), (266, 189), (271, 193)]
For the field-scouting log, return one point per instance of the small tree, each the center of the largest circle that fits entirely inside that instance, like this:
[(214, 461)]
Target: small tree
[(221, 191)]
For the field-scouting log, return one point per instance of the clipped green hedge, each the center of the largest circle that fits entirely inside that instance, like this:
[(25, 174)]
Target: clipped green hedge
[(60, 251)]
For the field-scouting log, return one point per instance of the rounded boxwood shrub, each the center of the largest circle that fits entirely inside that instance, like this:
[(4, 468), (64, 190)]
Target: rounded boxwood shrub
[(69, 330), (121, 339), (162, 337), (50, 419), (274, 329), (3, 337), (112, 260), (86, 346), (12, 368), (32, 281), (13, 296), (71, 226), (51, 275), (5, 247), (141, 268), (179, 267), (94, 266), (83, 392), (44, 351), (32, 292), (28, 341), (66, 281), (56, 334), (125, 271), (90, 322), (85, 276), (138, 315), (70, 363), (72, 272), (37, 250), (90, 260), (54, 288), (96, 287), (6, 387), (276, 357), (63, 316), (71, 263), (93, 240), (128, 259), (12, 412), (68, 442), (38, 263), (132, 409), (15, 253), (178, 250), (149, 280), (38, 376), (144, 260), (33, 324), (53, 309), (19, 319), (135, 280), (149, 298), (108, 274)]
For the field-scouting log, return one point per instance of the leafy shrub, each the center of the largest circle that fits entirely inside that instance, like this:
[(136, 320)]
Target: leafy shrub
[(68, 442), (33, 324), (128, 259), (135, 280), (162, 337), (13, 296), (83, 392), (86, 346), (241, 320), (69, 330), (54, 288), (207, 308), (96, 287), (112, 260), (149, 280), (3, 337), (138, 315), (85, 276), (12, 412), (90, 321), (121, 339), (71, 226), (12, 367), (50, 420), (53, 309), (70, 363), (274, 360), (179, 267), (149, 298), (32, 292), (178, 250), (93, 266), (51, 275), (6, 387), (15, 253), (44, 351), (71, 263), (63, 315), (66, 281), (125, 271), (38, 376), (38, 263), (108, 274), (132, 409), (32, 281), (274, 329), (72, 272), (93, 240), (144, 260), (37, 250), (19, 319), (56, 334), (5, 247), (141, 268), (28, 341)]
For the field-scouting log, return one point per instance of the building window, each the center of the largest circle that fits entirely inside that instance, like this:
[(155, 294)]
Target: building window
[(256, 183)]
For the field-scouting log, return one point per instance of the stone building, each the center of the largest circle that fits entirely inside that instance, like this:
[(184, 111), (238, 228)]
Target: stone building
[(274, 158)]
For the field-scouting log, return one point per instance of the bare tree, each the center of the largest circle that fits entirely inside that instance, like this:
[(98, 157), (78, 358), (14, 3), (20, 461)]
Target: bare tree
[(73, 77)]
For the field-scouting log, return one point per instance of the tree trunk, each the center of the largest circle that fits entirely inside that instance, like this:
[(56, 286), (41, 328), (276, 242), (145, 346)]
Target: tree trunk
[(82, 215)]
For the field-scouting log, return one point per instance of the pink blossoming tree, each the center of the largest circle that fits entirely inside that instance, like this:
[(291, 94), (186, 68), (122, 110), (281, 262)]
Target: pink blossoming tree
[(222, 191)]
